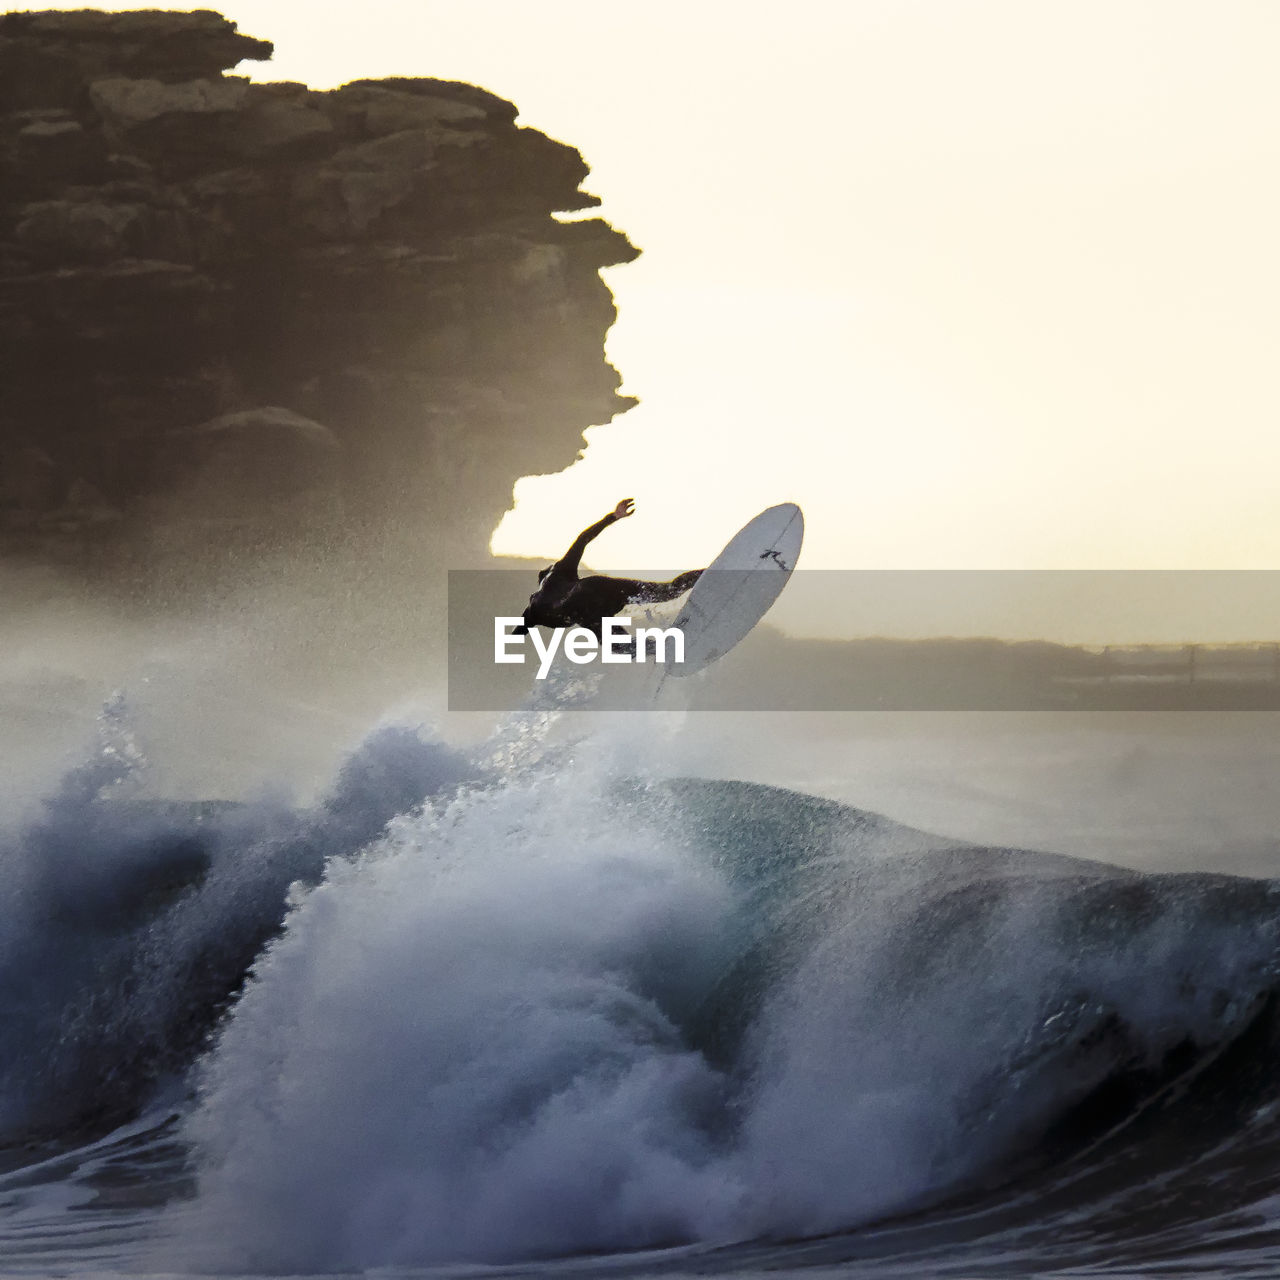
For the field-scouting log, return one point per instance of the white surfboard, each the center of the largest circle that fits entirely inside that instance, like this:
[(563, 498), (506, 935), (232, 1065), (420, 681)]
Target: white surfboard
[(739, 587)]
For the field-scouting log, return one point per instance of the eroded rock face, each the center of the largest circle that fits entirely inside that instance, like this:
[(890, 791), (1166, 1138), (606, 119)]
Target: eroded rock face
[(257, 307)]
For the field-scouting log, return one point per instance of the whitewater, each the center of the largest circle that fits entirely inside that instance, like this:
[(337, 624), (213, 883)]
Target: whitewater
[(542, 1005)]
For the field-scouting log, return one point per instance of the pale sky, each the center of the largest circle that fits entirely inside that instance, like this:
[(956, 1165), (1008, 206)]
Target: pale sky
[(991, 284)]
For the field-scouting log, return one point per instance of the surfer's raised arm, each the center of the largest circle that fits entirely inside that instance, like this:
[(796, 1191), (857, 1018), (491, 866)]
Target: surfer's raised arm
[(569, 561)]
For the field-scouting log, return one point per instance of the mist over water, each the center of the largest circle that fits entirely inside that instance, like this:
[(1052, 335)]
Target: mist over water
[(264, 685), (1159, 791)]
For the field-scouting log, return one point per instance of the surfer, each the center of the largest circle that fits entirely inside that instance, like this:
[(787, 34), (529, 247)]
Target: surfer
[(565, 600)]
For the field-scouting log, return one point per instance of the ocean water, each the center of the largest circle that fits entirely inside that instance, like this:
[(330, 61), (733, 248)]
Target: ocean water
[(545, 1004)]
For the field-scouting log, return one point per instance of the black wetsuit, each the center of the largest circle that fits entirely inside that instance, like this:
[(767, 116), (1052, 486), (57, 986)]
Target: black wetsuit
[(565, 600)]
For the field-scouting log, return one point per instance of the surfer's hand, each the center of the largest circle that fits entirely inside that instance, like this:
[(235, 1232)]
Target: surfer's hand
[(627, 507)]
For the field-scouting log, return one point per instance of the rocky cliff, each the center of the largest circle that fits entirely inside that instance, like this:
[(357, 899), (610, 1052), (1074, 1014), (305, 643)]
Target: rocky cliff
[(239, 316)]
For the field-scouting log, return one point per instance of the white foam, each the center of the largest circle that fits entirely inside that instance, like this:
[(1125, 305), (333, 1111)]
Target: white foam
[(459, 1050)]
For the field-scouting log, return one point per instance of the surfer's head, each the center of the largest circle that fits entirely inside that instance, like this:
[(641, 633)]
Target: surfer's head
[(542, 573)]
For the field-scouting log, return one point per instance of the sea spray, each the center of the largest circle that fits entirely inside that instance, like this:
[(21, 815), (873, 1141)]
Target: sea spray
[(466, 1046), (130, 922)]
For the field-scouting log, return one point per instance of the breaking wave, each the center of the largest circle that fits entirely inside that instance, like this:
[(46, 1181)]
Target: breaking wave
[(522, 1003)]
